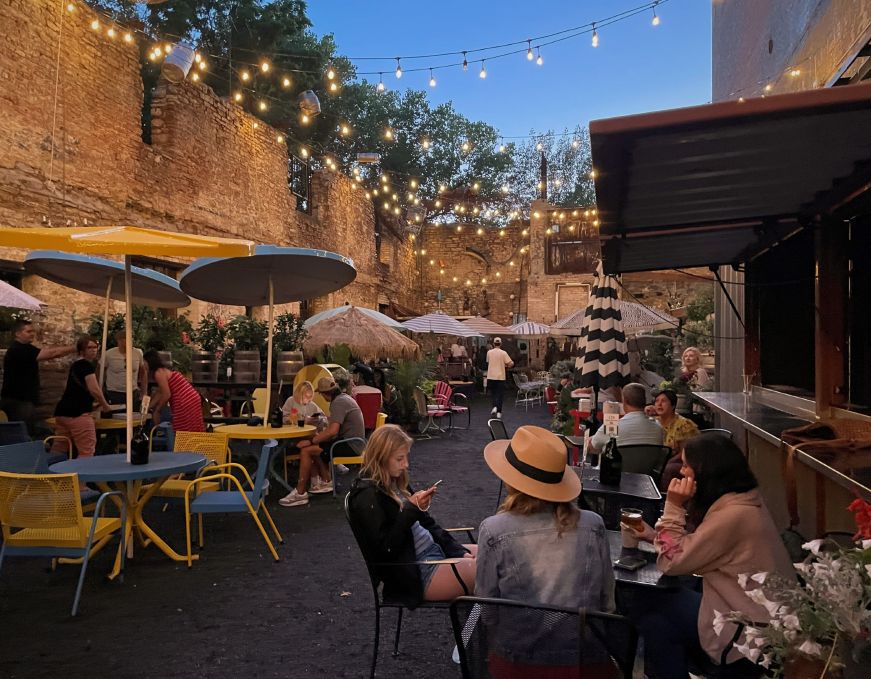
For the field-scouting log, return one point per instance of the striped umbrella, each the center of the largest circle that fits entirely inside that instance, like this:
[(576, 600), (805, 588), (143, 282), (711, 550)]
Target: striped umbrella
[(603, 360), (440, 323), (529, 329), (485, 326)]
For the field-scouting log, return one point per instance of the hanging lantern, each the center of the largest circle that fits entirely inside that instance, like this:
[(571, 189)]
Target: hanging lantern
[(309, 103), (178, 63)]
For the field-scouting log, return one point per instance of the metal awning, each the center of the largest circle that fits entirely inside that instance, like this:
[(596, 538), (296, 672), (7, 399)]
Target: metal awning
[(716, 184)]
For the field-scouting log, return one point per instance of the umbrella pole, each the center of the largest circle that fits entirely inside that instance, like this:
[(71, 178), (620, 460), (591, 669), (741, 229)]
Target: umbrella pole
[(269, 353), (128, 335), (105, 333)]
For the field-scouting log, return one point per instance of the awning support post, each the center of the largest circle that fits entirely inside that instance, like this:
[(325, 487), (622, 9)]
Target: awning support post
[(716, 271)]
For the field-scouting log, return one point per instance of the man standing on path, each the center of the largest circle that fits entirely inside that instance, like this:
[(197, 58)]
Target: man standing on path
[(20, 393), (498, 361), (116, 382)]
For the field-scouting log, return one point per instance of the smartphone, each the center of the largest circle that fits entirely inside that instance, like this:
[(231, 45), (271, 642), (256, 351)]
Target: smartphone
[(436, 483), (630, 563)]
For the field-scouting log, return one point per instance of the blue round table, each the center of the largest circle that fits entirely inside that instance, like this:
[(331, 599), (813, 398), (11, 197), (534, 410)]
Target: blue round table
[(113, 472)]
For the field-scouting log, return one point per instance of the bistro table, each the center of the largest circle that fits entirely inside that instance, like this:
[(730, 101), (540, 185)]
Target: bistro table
[(646, 576), (242, 432), (114, 472), (635, 490)]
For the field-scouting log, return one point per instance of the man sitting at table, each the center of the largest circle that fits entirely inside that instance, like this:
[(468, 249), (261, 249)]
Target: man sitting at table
[(345, 421), (635, 427)]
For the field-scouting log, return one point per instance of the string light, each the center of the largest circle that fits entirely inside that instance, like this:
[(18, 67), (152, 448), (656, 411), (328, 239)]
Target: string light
[(398, 68), (345, 131), (111, 33), (304, 119), (539, 60), (265, 67), (195, 76), (595, 40), (95, 25), (432, 80), (425, 143), (539, 146), (575, 143), (334, 87), (245, 76), (465, 62), (414, 183), (388, 134), (203, 65), (331, 73), (304, 152), (128, 37), (237, 96), (71, 7), (280, 139), (655, 21), (529, 50), (263, 105), (380, 86), (466, 146), (483, 73), (285, 82)]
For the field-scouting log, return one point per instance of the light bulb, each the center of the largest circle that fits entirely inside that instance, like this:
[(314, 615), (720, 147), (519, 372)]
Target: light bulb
[(529, 50), (304, 152), (480, 231), (432, 80), (263, 105), (483, 72), (595, 40), (331, 73), (505, 188), (345, 132), (384, 179), (167, 48), (465, 62), (388, 133), (425, 143), (655, 20), (255, 126), (305, 119), (380, 86), (501, 148), (476, 186), (538, 146), (128, 37), (575, 143), (265, 67), (438, 203), (71, 7), (285, 82), (111, 32), (238, 96), (279, 139), (245, 76), (442, 188), (334, 87), (95, 25), (398, 68), (197, 57), (466, 146), (203, 65), (414, 183)]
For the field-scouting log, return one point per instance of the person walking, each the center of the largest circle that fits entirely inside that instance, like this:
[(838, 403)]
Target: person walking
[(19, 395), (115, 379), (498, 361)]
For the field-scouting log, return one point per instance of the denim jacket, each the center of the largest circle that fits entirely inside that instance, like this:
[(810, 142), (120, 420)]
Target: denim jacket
[(523, 558)]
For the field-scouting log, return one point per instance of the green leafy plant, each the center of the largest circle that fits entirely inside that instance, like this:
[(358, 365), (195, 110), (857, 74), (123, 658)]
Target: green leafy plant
[(407, 375), (247, 334), (289, 332), (211, 333), (340, 354)]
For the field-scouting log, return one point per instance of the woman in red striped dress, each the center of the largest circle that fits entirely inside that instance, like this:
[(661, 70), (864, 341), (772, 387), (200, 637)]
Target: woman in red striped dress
[(172, 388)]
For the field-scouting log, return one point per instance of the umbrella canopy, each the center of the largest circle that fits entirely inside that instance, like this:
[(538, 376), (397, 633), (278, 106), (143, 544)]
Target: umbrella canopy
[(13, 298), (440, 323), (636, 318), (127, 241), (485, 326), (366, 337), (99, 276), (371, 313), (529, 329), (603, 360), (273, 275)]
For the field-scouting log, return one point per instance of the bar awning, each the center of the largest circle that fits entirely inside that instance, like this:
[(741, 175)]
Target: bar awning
[(716, 184)]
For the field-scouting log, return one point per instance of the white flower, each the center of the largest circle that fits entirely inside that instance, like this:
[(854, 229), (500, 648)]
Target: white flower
[(812, 648), (866, 544), (766, 660), (742, 580), (813, 546), (759, 577), (790, 621), (748, 652), (719, 622), (790, 635), (757, 596), (868, 568), (773, 608)]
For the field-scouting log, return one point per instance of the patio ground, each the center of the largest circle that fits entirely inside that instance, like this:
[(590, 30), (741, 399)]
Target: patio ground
[(236, 612)]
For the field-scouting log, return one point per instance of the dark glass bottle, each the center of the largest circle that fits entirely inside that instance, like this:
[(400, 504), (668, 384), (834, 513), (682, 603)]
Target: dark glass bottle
[(139, 446), (612, 464), (277, 418)]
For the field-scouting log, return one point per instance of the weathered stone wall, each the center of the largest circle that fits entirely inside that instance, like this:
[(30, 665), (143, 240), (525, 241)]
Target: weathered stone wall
[(755, 43)]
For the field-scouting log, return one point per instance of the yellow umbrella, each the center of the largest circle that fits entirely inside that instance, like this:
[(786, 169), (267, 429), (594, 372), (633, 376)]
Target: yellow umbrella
[(128, 241)]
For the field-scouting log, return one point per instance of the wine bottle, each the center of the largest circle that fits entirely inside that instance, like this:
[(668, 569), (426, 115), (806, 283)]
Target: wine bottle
[(277, 418), (611, 464), (139, 444)]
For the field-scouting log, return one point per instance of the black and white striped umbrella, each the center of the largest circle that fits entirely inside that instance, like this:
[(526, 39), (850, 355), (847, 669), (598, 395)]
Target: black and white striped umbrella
[(603, 360)]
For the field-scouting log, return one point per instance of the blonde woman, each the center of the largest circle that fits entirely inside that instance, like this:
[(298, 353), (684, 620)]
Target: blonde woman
[(692, 372), (399, 530), (300, 405)]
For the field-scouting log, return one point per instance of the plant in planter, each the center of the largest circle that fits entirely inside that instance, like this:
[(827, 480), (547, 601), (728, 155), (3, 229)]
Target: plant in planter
[(406, 376), (247, 334), (210, 334), (289, 332)]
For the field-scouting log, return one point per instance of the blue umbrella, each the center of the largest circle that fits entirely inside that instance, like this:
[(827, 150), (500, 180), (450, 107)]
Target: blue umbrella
[(273, 275), (105, 277)]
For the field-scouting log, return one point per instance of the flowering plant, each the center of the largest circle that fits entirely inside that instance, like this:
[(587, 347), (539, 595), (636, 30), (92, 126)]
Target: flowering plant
[(210, 334), (819, 617)]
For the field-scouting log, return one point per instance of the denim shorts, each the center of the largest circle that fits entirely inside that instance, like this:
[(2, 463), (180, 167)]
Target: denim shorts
[(432, 553)]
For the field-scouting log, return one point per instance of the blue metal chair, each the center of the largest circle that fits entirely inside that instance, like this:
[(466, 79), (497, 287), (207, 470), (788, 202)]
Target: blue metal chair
[(13, 432), (238, 500), (30, 457), (41, 515)]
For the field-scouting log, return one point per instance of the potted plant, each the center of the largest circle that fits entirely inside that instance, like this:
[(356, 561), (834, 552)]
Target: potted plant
[(406, 376), (210, 336), (820, 626), (248, 336), (287, 337)]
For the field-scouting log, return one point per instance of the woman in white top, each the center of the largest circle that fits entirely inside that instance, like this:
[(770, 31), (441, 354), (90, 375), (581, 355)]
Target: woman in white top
[(691, 369), (300, 405)]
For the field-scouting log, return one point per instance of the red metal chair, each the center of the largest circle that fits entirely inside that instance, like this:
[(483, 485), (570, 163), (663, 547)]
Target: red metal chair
[(428, 414), (445, 397), (550, 398)]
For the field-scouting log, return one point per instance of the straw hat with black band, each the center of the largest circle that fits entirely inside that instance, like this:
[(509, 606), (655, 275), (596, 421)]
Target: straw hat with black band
[(534, 462)]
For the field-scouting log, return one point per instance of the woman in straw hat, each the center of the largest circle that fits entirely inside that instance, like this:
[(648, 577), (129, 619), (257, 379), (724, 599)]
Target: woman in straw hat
[(399, 529), (539, 523)]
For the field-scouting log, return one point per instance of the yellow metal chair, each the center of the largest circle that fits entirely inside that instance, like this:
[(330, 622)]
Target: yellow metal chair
[(380, 420), (216, 450), (41, 515), (256, 405)]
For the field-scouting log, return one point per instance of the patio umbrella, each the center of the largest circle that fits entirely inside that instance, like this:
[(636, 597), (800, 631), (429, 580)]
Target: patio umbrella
[(440, 323), (485, 326), (273, 275), (529, 329), (13, 298), (366, 338), (128, 241), (105, 277), (642, 318), (371, 313), (603, 360)]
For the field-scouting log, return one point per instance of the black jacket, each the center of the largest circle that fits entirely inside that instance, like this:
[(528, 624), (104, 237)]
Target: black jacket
[(385, 531)]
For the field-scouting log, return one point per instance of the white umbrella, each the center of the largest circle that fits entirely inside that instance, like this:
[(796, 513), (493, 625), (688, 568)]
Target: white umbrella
[(371, 313), (486, 327), (13, 298), (440, 323), (529, 329)]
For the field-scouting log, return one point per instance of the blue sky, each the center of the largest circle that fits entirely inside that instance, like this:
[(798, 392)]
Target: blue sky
[(637, 67)]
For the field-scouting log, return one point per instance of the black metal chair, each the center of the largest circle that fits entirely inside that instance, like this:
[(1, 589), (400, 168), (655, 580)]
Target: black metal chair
[(524, 639), (375, 579), (646, 459), (498, 432), (721, 432), (13, 432)]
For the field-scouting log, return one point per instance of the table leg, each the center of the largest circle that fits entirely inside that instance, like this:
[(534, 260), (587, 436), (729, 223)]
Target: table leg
[(147, 530)]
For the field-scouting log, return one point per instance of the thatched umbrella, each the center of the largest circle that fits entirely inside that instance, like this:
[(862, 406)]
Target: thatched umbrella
[(364, 336)]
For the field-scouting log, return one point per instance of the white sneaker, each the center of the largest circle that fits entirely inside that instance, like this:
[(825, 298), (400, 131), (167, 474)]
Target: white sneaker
[(322, 487), (314, 482), (493, 413), (294, 499), (498, 416), (342, 469)]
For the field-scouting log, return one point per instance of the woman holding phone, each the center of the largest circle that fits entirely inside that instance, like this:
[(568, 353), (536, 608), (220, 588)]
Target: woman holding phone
[(399, 530)]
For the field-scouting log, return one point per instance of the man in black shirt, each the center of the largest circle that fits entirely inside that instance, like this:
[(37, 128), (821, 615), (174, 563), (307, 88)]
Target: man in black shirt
[(20, 393)]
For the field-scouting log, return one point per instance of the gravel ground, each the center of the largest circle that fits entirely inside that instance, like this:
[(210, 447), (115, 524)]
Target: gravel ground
[(236, 612)]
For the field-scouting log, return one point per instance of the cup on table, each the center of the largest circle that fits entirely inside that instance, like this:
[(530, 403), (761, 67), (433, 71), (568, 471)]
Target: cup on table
[(300, 422), (630, 518)]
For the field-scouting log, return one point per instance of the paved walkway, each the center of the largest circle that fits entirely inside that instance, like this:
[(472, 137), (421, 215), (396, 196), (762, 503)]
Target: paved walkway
[(236, 613)]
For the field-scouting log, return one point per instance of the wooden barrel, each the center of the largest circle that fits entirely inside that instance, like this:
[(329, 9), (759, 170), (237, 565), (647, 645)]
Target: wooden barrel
[(246, 366), (288, 364), (204, 366)]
